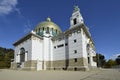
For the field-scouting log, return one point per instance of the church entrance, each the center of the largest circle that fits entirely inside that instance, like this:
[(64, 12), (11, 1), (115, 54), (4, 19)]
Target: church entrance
[(22, 58), (22, 55)]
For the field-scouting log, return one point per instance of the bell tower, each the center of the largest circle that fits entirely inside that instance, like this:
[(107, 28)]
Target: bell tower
[(76, 18)]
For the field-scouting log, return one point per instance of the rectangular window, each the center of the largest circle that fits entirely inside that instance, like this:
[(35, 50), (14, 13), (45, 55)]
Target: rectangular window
[(66, 44), (88, 60), (75, 51), (61, 45), (75, 21), (75, 41), (54, 47), (75, 60)]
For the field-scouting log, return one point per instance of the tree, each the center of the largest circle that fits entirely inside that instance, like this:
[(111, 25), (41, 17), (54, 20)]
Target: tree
[(110, 63), (100, 59), (5, 57), (118, 60)]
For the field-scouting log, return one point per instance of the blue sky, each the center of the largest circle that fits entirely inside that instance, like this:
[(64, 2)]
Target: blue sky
[(18, 17)]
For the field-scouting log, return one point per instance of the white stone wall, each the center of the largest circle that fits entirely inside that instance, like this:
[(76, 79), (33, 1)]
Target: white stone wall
[(37, 48), (27, 45), (59, 52), (84, 43), (75, 45), (51, 50), (92, 53), (47, 48)]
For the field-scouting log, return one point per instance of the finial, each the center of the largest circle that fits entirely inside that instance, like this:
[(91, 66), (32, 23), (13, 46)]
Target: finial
[(48, 19), (76, 8)]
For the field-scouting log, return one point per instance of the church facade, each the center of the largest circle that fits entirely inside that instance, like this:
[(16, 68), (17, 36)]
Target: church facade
[(48, 48)]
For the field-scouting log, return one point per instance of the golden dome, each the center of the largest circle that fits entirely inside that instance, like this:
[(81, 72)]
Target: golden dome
[(46, 24)]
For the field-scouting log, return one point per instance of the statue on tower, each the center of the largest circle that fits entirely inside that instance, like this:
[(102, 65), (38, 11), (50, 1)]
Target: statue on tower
[(76, 8)]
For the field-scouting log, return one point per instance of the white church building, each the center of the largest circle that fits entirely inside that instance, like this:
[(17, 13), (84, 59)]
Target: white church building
[(48, 48)]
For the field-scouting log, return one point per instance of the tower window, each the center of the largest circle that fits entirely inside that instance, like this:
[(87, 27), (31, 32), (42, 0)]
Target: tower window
[(54, 47), (75, 40), (75, 59), (66, 44), (75, 21), (75, 51), (75, 69), (88, 60)]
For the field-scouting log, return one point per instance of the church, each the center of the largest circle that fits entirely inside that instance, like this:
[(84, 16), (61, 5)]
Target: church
[(46, 47)]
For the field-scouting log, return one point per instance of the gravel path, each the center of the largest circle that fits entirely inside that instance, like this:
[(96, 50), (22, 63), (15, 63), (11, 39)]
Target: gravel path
[(103, 74)]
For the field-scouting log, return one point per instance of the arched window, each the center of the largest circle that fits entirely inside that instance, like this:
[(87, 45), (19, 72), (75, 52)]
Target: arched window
[(22, 55), (52, 29), (39, 29), (43, 28), (75, 21), (56, 31), (47, 31)]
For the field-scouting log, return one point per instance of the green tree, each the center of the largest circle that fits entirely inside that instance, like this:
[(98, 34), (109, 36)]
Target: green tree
[(5, 57), (110, 63), (100, 59), (118, 60)]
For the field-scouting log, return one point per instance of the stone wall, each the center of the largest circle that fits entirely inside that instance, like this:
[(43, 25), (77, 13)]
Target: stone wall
[(13, 65), (30, 65), (70, 64)]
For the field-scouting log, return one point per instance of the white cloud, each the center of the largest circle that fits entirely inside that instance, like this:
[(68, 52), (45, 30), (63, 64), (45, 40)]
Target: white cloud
[(8, 6), (114, 56)]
